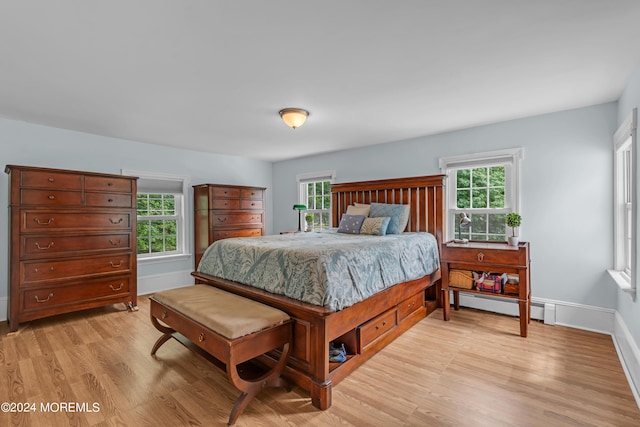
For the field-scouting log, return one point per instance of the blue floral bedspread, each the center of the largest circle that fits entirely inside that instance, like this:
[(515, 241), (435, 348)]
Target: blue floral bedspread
[(329, 269)]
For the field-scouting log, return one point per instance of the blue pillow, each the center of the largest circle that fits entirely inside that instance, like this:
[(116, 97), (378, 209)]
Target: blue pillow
[(375, 226), (351, 224), (393, 211)]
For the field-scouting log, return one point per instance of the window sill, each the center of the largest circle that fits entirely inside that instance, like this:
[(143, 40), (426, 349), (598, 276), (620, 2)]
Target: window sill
[(623, 282), (163, 258)]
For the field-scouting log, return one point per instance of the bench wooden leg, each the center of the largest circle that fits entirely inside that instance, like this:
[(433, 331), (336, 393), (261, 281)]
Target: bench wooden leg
[(166, 335), (251, 388)]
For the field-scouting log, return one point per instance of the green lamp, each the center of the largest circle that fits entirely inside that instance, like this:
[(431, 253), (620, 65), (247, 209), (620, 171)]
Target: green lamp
[(299, 208)]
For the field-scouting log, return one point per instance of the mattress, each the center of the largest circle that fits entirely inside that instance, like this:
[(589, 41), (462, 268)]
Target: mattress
[(329, 269)]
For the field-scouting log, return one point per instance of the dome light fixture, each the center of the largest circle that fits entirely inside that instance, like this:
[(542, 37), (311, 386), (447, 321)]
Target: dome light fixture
[(294, 117)]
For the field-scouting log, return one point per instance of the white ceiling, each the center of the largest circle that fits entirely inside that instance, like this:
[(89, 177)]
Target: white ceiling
[(211, 75)]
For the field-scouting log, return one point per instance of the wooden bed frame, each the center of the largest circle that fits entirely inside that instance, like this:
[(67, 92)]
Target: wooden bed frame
[(370, 325)]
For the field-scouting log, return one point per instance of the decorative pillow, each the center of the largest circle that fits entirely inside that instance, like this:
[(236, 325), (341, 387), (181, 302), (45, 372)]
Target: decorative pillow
[(404, 218), (363, 206), (393, 211), (375, 226), (358, 210), (351, 224)]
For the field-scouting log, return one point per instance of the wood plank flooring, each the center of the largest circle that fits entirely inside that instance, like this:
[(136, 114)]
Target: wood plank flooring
[(472, 371)]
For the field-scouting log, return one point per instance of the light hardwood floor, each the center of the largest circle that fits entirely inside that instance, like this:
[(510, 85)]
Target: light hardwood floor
[(472, 371)]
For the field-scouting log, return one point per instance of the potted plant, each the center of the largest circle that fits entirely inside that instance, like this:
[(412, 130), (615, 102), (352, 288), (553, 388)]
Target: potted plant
[(309, 219), (513, 220)]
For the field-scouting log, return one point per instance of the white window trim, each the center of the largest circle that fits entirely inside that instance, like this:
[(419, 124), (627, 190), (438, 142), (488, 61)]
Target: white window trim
[(183, 251), (303, 178), (627, 131), (511, 157)]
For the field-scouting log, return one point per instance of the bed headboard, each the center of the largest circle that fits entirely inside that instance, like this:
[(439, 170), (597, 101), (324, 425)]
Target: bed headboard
[(424, 194)]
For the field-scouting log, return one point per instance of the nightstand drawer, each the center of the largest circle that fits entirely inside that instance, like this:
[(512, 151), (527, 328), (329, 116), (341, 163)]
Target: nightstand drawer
[(478, 255)]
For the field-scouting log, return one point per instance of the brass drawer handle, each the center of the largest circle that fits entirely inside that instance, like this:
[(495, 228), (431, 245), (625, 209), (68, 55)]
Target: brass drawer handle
[(44, 300), (201, 337), (51, 197), (110, 200), (37, 220), (114, 289), (222, 219), (43, 248), (116, 243), (109, 184), (116, 266), (51, 179), (164, 314), (480, 257), (115, 222)]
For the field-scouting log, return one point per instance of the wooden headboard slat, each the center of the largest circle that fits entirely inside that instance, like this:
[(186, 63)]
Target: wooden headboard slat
[(424, 195)]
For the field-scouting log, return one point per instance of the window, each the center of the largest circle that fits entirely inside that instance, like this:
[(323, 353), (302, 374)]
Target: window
[(314, 191), (484, 186), (160, 208), (624, 169)]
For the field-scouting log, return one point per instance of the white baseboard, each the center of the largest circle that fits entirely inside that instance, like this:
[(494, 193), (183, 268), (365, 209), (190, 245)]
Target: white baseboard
[(553, 312), (4, 304), (629, 355)]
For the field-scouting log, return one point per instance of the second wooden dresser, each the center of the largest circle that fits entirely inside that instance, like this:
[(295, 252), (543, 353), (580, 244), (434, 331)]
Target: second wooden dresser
[(224, 211), (72, 242)]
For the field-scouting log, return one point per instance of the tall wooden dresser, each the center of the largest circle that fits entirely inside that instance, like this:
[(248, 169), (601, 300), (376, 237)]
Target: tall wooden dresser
[(224, 211), (72, 242)]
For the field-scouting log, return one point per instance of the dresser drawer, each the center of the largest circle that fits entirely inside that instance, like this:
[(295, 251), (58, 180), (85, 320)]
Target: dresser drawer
[(43, 298), (237, 218), (225, 192), (226, 204), (45, 246), (410, 305), (110, 184), (45, 179), (376, 327), (38, 221), (507, 255), (51, 198), (110, 200), (254, 194), (251, 204), (242, 232), (68, 269)]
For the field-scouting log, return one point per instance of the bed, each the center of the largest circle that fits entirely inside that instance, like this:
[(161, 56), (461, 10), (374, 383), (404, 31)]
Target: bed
[(367, 324)]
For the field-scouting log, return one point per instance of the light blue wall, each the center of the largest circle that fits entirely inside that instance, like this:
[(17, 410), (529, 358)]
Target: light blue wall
[(630, 310), (566, 190), (32, 145)]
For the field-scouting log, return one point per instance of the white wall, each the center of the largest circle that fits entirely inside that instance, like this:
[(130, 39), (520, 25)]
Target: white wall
[(33, 145), (630, 310), (566, 190)]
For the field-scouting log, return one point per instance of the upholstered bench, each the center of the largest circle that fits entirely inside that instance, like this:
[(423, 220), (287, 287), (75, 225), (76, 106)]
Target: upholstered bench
[(227, 330)]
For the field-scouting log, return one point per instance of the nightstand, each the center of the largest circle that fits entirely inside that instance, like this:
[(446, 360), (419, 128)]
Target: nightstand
[(497, 257)]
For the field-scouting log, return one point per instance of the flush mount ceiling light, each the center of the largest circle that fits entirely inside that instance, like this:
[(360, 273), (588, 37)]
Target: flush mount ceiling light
[(294, 117)]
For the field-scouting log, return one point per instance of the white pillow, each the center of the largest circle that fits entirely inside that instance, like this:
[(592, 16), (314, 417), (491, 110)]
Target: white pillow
[(404, 219), (358, 209)]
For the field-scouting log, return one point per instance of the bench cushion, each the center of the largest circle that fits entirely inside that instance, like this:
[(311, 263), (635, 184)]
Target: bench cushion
[(230, 315)]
